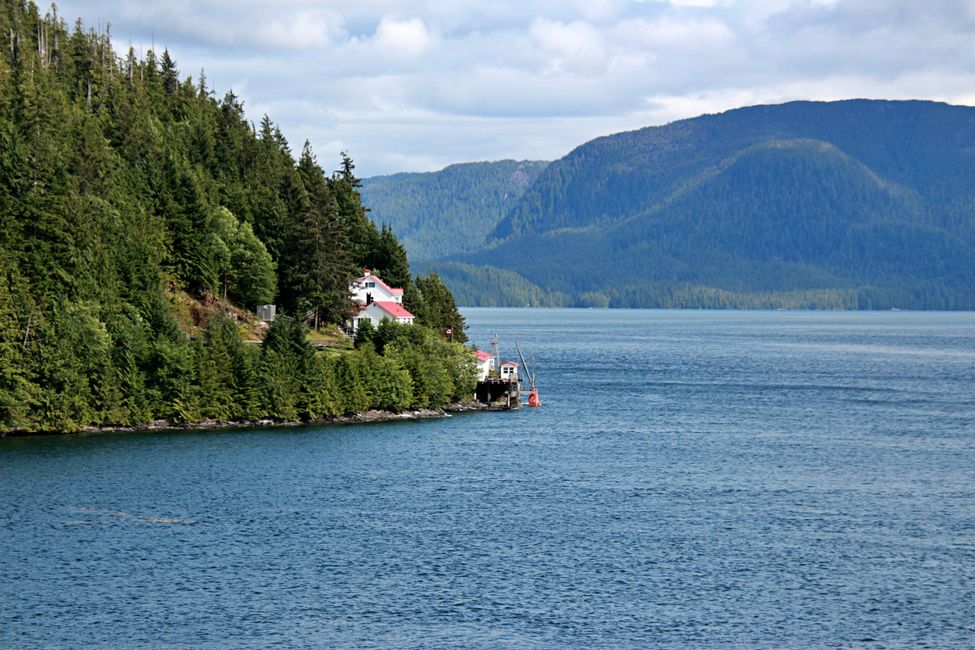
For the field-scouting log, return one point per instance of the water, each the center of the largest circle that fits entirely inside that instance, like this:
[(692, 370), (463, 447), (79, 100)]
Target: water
[(791, 479)]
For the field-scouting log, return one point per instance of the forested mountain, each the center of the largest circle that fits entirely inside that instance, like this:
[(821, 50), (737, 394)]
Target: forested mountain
[(450, 211), (849, 204), (136, 208)]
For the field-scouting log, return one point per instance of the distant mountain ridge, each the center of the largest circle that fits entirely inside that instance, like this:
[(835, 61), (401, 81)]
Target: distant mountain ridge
[(617, 175), (851, 204), (450, 211)]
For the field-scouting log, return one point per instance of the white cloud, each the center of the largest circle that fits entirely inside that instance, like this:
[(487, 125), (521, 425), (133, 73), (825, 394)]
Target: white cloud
[(301, 32), (574, 46), (674, 34), (406, 84), (403, 37)]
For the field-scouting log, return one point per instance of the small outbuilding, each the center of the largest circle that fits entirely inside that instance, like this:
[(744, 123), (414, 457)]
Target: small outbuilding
[(508, 371)]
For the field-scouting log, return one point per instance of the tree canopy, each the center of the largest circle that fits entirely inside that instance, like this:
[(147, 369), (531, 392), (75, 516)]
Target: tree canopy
[(128, 191)]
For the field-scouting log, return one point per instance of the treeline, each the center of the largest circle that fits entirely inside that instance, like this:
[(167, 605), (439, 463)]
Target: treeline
[(113, 376), (489, 286), (123, 186), (288, 379), (486, 286)]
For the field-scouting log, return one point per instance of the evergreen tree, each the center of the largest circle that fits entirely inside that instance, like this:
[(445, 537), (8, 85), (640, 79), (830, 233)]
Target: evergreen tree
[(170, 76), (439, 308), (137, 211)]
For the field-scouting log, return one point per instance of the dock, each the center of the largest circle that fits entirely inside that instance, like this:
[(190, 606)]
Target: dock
[(498, 393)]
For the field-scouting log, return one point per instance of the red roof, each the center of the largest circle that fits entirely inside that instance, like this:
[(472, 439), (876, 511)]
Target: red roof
[(483, 356), (509, 363), (394, 309), (375, 278)]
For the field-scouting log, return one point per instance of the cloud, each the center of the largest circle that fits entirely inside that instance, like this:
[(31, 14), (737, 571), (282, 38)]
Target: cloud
[(403, 37), (576, 46), (415, 84)]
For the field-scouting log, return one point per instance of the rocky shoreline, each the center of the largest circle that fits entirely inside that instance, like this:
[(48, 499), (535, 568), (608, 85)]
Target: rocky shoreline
[(366, 417)]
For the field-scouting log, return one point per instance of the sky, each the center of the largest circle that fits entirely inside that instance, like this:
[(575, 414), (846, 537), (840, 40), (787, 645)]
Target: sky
[(413, 85)]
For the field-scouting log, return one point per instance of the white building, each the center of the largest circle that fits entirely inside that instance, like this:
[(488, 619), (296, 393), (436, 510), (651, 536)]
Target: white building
[(369, 288), (377, 312), (485, 364), (509, 371), (379, 302)]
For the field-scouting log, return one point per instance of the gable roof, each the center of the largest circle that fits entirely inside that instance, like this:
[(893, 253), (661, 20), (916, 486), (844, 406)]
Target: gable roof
[(509, 363), (483, 356), (394, 309), (375, 278)]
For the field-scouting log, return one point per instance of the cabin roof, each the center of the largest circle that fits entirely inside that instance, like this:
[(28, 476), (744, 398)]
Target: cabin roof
[(392, 308), (375, 278), (483, 356), (509, 363)]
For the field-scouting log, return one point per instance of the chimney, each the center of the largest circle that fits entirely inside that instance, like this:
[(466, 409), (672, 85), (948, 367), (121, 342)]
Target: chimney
[(367, 273)]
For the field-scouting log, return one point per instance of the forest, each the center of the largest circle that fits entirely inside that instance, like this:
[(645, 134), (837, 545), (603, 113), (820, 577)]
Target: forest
[(450, 211), (858, 204), (853, 204), (143, 219)]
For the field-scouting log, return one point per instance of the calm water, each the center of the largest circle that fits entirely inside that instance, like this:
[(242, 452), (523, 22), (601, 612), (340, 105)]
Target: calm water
[(694, 479)]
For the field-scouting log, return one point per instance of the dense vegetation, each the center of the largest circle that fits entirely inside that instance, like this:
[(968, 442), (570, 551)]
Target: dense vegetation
[(127, 192), (855, 204), (489, 286), (450, 211)]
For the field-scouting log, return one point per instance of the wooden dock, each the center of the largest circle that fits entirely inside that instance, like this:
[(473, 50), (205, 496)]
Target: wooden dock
[(498, 393)]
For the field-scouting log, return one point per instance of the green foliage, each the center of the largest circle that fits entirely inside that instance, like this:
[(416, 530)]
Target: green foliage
[(122, 185), (318, 262), (323, 394), (440, 311), (388, 260), (442, 371), (353, 385), (365, 334), (866, 202), (251, 278), (285, 359), (219, 356), (489, 286), (243, 264), (451, 211)]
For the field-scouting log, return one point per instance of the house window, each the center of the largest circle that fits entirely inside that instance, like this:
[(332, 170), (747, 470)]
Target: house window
[(370, 285)]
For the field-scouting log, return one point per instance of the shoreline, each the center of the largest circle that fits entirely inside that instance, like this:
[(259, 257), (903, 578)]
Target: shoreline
[(168, 426)]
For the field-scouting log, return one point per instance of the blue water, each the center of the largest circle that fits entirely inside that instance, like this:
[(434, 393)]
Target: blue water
[(746, 479)]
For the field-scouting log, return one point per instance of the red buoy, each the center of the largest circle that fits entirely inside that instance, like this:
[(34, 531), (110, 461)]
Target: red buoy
[(533, 398)]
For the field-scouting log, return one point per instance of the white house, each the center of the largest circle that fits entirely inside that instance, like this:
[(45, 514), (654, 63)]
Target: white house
[(369, 288), (485, 364), (379, 302), (377, 312), (509, 371)]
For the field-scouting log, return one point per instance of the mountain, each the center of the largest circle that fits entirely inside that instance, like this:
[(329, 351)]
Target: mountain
[(858, 203), (450, 211)]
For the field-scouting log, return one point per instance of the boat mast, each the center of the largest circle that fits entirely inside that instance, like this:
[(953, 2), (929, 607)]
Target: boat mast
[(528, 372)]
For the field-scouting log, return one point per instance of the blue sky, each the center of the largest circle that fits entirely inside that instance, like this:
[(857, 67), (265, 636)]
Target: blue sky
[(414, 86)]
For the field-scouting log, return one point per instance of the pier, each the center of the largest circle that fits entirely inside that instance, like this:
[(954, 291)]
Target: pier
[(498, 393)]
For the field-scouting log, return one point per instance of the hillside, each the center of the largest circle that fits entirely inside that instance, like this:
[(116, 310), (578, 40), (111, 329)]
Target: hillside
[(449, 211), (849, 204), (142, 220)]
